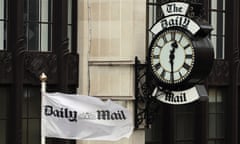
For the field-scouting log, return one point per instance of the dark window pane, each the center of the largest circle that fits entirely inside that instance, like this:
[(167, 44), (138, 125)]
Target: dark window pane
[(216, 115), (3, 102), (212, 125), (31, 102), (34, 131), (212, 107), (33, 10), (211, 142), (25, 104), (154, 134), (220, 107), (182, 142), (220, 125), (24, 131), (34, 102), (3, 131), (219, 142), (184, 126), (69, 37), (33, 36), (69, 11)]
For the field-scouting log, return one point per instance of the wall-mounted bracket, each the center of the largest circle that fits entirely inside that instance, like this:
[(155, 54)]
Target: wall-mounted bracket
[(145, 104)]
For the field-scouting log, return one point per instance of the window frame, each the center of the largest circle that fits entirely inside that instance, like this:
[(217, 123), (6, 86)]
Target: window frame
[(217, 92), (220, 11), (18, 66)]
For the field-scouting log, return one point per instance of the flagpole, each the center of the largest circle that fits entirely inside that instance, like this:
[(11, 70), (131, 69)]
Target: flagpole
[(43, 79)]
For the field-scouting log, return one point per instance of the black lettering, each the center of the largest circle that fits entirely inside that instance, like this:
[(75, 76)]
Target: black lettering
[(173, 8), (123, 117), (169, 8), (176, 98), (48, 110), (72, 116), (185, 23), (184, 97), (107, 115), (164, 24), (61, 113), (172, 22), (115, 116), (169, 97), (103, 114)]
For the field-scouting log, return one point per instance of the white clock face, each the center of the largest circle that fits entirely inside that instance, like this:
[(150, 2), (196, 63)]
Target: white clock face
[(172, 56)]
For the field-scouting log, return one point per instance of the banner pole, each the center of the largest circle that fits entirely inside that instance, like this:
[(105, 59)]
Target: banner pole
[(43, 79)]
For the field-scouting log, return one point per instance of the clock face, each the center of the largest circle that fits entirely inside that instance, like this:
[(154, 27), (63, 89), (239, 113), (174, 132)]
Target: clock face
[(172, 57)]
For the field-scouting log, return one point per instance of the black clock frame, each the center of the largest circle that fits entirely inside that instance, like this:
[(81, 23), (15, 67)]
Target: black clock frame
[(203, 62)]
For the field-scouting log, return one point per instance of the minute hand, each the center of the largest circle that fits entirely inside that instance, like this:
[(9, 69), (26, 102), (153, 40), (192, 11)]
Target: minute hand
[(171, 57)]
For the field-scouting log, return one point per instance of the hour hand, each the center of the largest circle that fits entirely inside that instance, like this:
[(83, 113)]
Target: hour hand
[(172, 52), (174, 45)]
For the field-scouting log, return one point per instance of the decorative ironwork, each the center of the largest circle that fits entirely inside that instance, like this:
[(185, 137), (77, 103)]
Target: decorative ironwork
[(219, 75), (34, 64), (5, 67), (141, 93), (145, 104)]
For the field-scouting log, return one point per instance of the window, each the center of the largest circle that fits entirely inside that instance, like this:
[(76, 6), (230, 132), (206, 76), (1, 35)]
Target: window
[(217, 20), (20, 110), (184, 124), (38, 24), (3, 21), (31, 114), (216, 116), (3, 113), (154, 13), (70, 24)]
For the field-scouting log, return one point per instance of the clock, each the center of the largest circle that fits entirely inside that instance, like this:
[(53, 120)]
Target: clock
[(176, 59)]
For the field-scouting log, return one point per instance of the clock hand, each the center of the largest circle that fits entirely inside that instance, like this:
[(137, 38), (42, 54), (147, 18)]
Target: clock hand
[(172, 57)]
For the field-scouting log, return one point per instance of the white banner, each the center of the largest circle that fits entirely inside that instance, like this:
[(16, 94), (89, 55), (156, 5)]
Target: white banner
[(84, 118), (177, 97), (176, 21)]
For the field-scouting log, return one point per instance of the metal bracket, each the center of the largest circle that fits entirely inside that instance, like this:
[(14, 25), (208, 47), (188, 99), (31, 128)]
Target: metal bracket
[(145, 104)]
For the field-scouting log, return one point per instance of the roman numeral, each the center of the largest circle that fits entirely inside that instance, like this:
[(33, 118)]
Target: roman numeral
[(157, 66), (163, 73), (180, 39), (156, 56), (180, 74), (172, 36), (186, 66), (189, 56), (188, 45)]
